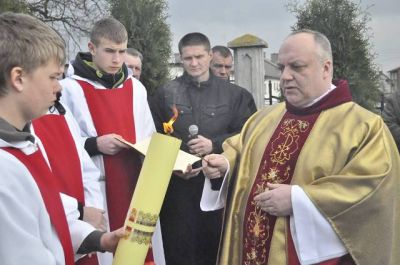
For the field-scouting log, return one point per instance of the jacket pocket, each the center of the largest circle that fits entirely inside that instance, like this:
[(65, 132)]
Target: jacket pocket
[(183, 109), (215, 111)]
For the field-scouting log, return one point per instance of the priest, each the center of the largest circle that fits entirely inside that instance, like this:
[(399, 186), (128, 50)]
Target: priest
[(313, 180)]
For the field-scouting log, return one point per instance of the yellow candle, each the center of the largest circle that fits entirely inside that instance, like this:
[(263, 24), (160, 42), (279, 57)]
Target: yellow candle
[(147, 200)]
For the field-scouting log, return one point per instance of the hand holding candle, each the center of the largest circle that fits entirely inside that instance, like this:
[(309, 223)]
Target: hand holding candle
[(147, 200)]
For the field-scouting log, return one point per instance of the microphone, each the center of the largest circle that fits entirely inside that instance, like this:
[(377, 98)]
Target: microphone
[(57, 105), (193, 131)]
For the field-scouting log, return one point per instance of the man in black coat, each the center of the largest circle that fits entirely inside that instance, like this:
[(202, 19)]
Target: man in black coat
[(219, 109)]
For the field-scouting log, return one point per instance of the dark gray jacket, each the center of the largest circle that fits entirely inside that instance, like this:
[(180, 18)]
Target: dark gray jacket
[(391, 116), (217, 107)]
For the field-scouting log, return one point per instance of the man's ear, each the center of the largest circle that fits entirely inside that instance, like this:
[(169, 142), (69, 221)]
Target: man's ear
[(16, 78), (91, 47), (328, 69)]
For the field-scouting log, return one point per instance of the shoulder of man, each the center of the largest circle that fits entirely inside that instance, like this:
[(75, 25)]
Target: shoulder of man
[(73, 80), (172, 85), (360, 110), (236, 89)]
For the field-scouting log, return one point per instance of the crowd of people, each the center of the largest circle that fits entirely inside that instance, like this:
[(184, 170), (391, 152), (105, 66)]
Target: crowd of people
[(311, 180)]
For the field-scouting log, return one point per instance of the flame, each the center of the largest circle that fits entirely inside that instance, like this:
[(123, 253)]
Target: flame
[(168, 129)]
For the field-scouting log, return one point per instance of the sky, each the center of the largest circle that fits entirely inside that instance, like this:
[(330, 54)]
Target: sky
[(225, 20)]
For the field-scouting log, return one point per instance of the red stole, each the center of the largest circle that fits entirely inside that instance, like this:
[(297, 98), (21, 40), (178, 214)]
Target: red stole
[(277, 166), (47, 185), (112, 112), (61, 151)]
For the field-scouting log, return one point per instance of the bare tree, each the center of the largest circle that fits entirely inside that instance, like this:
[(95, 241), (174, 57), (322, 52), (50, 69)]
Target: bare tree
[(72, 18)]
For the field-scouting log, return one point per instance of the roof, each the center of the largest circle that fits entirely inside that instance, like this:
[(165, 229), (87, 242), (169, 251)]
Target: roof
[(395, 69), (271, 69), (247, 40)]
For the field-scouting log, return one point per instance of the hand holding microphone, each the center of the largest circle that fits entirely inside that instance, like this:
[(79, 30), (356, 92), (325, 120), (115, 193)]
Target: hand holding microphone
[(198, 144)]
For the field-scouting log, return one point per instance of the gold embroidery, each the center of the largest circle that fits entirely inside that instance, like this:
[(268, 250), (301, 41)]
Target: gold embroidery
[(259, 229), (275, 170), (273, 175), (260, 189)]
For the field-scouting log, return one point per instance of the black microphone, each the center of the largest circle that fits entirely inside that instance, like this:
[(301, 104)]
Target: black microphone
[(57, 105), (193, 131)]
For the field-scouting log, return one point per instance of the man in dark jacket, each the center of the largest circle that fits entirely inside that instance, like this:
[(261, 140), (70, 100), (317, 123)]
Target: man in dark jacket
[(391, 116), (218, 109)]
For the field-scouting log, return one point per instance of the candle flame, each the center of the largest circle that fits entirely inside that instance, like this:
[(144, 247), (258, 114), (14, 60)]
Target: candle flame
[(168, 129)]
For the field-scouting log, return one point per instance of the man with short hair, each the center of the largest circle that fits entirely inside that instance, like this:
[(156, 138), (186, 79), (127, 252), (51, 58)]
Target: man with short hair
[(316, 176), (222, 62), (133, 60), (221, 66), (107, 104), (34, 213), (217, 108)]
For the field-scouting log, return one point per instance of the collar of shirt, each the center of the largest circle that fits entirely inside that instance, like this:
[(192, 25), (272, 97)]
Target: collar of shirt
[(331, 88)]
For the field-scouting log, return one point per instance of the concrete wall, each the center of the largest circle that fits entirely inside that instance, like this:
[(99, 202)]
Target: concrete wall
[(249, 71)]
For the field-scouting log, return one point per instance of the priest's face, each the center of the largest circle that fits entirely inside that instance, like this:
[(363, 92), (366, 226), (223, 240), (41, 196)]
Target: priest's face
[(304, 76), (108, 56)]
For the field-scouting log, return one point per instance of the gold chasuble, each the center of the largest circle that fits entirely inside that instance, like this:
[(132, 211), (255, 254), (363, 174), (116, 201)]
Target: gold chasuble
[(345, 160), (277, 165)]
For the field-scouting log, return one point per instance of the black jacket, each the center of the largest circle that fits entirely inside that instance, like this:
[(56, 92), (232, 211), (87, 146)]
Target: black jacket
[(217, 107)]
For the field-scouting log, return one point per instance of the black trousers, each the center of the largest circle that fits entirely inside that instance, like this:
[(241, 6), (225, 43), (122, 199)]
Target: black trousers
[(190, 236)]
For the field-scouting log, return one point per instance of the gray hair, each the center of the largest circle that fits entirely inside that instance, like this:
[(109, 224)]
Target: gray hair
[(223, 50), (325, 51), (135, 53)]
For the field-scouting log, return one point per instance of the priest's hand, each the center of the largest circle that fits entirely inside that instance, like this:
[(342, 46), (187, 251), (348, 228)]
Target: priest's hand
[(109, 240), (214, 166), (276, 200), (108, 145), (95, 217), (189, 172), (200, 146)]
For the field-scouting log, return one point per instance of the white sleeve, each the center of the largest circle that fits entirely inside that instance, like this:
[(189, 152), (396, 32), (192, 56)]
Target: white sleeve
[(70, 206), (91, 182), (74, 98), (313, 236), (90, 173), (212, 200), (78, 229), (26, 231), (157, 245), (144, 124)]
